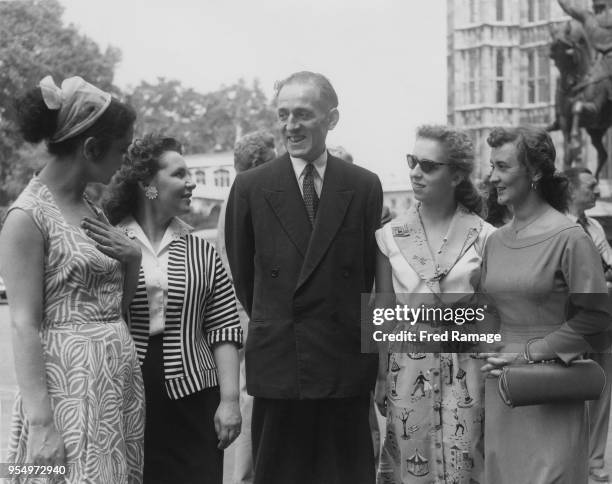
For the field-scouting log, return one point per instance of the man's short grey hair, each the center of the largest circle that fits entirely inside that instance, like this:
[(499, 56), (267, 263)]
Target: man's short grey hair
[(327, 92)]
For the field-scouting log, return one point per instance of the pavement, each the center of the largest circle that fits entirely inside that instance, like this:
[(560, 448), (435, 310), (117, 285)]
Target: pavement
[(8, 386)]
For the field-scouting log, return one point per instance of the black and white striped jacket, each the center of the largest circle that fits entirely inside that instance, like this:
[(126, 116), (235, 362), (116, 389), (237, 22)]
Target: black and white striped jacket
[(200, 312)]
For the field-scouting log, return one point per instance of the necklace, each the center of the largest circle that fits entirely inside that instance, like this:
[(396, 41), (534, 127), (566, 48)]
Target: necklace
[(517, 230), (444, 239)]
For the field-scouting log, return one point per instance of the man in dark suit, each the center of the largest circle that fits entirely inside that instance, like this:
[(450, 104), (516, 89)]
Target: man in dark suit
[(300, 243)]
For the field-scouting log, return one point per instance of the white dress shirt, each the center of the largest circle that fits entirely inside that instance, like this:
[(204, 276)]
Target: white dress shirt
[(155, 267), (320, 164)]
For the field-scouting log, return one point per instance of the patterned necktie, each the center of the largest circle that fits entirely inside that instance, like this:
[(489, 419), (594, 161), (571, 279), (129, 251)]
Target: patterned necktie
[(311, 200)]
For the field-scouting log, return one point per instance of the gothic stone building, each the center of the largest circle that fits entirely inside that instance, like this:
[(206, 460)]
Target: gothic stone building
[(499, 70)]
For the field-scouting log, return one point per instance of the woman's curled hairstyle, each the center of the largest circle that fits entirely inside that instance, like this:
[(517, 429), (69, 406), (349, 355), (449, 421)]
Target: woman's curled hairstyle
[(536, 152), (141, 163), (459, 151)]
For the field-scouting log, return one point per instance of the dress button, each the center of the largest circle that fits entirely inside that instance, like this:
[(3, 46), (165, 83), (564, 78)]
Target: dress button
[(274, 273), (346, 273), (438, 445), (436, 373)]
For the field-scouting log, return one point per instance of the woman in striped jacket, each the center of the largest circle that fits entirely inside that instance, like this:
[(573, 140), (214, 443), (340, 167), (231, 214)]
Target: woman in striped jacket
[(183, 319)]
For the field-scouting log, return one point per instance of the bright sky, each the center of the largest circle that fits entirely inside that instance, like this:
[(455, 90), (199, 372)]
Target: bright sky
[(385, 58)]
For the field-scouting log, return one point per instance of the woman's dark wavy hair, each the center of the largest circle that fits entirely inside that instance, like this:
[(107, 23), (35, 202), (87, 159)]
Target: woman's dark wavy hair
[(459, 151), (37, 123), (536, 151), (141, 163)]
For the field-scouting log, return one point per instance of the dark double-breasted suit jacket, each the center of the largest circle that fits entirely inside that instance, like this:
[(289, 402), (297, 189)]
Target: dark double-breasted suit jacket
[(301, 285)]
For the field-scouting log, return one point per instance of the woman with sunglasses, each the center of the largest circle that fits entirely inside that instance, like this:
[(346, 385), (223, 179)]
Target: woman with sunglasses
[(432, 401), (544, 276)]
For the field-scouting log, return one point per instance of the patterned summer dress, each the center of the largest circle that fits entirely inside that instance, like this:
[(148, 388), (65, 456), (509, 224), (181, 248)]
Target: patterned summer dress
[(435, 410), (93, 375)]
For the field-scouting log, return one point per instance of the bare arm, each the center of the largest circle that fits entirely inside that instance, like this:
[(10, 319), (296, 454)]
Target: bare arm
[(385, 298), (227, 417), (22, 266), (224, 335)]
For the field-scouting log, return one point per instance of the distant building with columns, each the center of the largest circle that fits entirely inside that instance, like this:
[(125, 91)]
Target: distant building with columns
[(214, 173)]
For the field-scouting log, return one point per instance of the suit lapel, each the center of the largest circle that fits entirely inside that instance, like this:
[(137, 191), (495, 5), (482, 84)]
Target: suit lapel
[(335, 199), (287, 204)]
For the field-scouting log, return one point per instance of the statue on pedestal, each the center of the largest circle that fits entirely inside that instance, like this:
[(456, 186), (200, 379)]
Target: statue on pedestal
[(582, 51)]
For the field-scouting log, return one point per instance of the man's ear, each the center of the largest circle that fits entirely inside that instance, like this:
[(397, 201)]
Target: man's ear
[(334, 116), (91, 149)]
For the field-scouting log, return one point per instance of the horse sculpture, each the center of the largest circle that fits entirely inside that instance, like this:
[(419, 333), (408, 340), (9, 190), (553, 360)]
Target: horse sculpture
[(574, 57)]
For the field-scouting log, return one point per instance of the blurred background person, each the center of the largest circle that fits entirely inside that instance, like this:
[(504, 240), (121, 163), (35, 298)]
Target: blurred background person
[(340, 152), (532, 267), (183, 319), (69, 275), (584, 192), (435, 249), (251, 150)]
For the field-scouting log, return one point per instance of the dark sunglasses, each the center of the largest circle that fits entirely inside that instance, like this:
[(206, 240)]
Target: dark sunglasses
[(426, 165)]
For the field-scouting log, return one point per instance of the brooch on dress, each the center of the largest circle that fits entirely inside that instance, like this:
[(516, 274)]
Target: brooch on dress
[(400, 230)]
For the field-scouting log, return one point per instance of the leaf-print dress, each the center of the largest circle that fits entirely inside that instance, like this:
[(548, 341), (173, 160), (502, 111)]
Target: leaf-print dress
[(93, 377)]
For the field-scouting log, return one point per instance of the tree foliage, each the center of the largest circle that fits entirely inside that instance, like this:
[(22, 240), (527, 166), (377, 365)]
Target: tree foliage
[(34, 42), (203, 122)]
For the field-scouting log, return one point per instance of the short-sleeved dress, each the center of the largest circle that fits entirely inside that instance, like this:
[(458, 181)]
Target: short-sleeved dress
[(533, 281), (434, 409), (93, 376)]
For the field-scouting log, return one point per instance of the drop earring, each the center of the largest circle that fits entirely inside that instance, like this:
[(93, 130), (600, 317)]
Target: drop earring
[(151, 192)]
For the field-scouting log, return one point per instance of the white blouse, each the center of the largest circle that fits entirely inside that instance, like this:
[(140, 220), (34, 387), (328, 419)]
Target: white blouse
[(155, 267)]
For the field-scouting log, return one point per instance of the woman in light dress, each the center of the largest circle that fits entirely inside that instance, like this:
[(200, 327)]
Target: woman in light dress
[(432, 401), (69, 275)]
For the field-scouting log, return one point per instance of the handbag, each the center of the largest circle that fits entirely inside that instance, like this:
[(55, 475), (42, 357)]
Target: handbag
[(551, 382)]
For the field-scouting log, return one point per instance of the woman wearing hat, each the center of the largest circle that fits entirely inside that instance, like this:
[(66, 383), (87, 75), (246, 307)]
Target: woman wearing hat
[(69, 276)]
